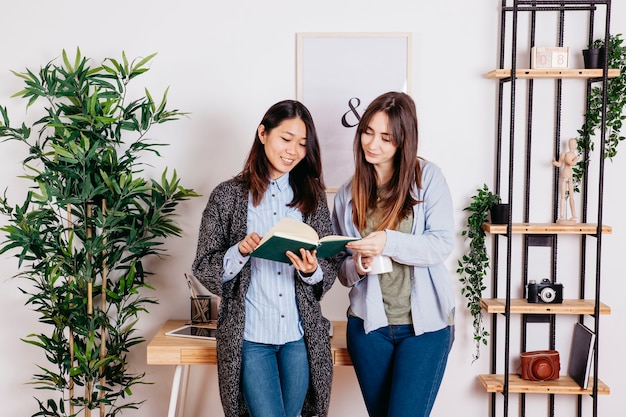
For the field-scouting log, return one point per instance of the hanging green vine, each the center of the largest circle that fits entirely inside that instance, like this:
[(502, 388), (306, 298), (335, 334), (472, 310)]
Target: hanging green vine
[(472, 267), (616, 101)]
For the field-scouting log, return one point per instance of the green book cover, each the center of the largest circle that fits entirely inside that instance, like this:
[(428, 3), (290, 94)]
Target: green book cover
[(291, 235)]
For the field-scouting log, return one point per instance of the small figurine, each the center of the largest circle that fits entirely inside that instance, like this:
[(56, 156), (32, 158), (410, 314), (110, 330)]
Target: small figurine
[(566, 181)]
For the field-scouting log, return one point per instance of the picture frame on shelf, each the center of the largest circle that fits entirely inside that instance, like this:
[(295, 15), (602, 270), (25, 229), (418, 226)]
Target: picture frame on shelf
[(337, 76)]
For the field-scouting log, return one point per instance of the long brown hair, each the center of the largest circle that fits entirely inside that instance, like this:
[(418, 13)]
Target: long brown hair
[(305, 178), (397, 202)]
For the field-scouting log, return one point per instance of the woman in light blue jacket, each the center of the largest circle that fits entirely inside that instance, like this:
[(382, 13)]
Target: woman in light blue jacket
[(400, 323)]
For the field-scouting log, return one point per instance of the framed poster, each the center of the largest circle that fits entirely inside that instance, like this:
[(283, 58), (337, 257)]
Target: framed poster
[(338, 75)]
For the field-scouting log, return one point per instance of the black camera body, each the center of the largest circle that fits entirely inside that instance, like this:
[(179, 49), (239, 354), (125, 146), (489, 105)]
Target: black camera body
[(544, 292)]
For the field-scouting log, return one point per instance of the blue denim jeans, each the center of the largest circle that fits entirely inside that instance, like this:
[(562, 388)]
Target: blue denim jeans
[(399, 373), (275, 378)]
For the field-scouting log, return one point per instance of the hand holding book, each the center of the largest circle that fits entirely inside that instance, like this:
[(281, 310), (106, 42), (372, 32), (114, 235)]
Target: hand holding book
[(292, 235)]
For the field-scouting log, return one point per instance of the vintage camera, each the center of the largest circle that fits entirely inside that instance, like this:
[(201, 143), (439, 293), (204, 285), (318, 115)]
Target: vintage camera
[(544, 292), (540, 365)]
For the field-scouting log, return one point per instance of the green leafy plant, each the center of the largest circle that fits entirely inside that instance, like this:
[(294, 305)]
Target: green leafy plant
[(85, 226), (616, 101), (473, 265)]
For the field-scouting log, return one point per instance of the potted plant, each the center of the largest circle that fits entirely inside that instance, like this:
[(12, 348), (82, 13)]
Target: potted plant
[(473, 265), (85, 226), (593, 56), (616, 101)]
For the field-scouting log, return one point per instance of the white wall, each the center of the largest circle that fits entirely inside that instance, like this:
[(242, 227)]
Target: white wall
[(226, 63)]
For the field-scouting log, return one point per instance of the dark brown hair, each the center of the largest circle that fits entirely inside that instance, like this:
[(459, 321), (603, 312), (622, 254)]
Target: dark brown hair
[(305, 178), (397, 202)]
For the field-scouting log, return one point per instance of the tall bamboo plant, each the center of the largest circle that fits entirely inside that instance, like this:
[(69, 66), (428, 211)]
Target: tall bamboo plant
[(86, 225)]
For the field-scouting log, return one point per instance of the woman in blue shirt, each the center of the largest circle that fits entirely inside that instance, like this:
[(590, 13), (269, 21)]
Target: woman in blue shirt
[(273, 345), (400, 323)]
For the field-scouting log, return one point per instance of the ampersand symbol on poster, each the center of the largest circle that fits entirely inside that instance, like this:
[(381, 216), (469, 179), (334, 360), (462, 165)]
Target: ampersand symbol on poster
[(344, 119)]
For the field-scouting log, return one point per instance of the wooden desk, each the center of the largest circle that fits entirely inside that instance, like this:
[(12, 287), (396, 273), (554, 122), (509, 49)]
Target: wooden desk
[(184, 351)]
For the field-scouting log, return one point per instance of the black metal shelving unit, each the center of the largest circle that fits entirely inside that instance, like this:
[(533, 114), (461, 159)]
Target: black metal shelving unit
[(502, 382)]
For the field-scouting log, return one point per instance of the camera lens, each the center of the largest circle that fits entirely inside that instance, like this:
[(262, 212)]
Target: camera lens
[(547, 295)]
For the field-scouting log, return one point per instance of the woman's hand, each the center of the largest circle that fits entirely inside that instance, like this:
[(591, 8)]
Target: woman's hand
[(249, 243), (371, 245), (305, 263)]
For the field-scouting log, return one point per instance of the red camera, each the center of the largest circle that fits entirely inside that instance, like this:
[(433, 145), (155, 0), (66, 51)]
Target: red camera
[(540, 365)]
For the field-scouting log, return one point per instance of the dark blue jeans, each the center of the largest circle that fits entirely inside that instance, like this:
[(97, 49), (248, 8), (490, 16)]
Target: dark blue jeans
[(275, 378), (399, 373)]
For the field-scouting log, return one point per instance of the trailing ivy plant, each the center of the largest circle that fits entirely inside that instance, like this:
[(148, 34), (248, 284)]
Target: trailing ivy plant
[(616, 101), (86, 225), (473, 265)]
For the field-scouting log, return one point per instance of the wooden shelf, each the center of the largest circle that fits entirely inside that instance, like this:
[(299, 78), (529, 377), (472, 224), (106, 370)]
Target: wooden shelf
[(547, 228), (522, 306), (552, 73), (522, 233), (563, 385)]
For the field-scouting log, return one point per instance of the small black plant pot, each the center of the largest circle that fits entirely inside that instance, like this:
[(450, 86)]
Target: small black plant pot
[(500, 213), (593, 58)]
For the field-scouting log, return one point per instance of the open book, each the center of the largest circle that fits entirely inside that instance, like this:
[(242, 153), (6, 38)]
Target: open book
[(291, 235), (581, 355)]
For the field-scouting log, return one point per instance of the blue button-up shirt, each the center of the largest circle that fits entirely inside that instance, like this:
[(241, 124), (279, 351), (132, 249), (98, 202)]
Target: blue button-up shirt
[(271, 311)]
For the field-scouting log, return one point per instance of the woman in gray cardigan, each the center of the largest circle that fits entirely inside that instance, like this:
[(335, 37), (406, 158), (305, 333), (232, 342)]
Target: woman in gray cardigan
[(266, 306)]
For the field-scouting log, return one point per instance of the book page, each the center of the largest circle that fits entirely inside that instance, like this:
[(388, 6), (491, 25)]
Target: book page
[(296, 237), (292, 229), (332, 238)]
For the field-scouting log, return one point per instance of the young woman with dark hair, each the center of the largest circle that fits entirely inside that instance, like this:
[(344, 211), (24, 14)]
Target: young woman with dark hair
[(273, 345), (400, 323)]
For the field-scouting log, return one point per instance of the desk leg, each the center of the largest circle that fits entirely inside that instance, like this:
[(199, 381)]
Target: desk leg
[(183, 391), (176, 389)]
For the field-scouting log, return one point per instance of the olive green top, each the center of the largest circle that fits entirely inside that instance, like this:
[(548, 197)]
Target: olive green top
[(395, 285)]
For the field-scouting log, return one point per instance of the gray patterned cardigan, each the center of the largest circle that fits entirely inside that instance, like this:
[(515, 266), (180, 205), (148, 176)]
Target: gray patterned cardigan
[(223, 225)]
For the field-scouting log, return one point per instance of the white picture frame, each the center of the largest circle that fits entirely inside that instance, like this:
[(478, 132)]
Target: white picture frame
[(338, 75)]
